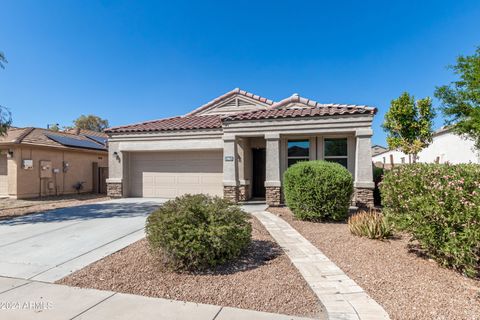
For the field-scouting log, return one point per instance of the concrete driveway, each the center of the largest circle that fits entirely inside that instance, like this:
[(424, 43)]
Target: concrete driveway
[(48, 246)]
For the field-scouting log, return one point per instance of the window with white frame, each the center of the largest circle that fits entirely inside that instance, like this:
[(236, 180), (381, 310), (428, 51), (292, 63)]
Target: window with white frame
[(298, 150), (336, 150)]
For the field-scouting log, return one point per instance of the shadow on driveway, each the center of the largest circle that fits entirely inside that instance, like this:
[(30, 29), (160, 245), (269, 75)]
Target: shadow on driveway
[(87, 212)]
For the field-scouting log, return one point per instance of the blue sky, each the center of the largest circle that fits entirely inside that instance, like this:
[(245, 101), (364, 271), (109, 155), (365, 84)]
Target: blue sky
[(130, 61)]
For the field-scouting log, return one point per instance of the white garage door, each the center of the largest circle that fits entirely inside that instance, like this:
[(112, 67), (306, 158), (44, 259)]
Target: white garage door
[(171, 174), (3, 176)]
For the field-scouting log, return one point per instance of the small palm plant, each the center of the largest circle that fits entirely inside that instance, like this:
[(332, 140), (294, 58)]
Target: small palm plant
[(371, 224)]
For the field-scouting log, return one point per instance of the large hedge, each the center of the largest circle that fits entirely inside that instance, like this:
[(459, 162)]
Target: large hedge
[(439, 204), (318, 190), (196, 232)]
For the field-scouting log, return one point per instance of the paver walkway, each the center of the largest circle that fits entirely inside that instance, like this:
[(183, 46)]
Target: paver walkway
[(341, 297), (33, 300)]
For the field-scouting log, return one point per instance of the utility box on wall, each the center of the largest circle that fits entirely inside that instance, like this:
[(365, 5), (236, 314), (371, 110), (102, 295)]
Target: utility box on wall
[(45, 169), (27, 164)]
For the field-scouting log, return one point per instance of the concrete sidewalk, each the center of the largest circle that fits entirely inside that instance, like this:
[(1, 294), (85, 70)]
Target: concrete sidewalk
[(26, 299)]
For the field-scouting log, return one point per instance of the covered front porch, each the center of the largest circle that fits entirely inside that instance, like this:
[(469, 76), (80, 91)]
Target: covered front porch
[(254, 162)]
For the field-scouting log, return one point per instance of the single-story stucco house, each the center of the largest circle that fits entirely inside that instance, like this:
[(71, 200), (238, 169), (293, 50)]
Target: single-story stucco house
[(238, 146), (37, 162)]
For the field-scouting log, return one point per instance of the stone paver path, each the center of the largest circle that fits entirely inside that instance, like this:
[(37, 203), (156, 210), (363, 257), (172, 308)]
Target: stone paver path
[(341, 297), (32, 300)]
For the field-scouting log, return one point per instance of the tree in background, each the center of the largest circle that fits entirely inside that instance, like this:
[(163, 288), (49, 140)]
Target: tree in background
[(5, 115), (53, 127), (91, 122), (409, 124), (461, 99), (3, 60)]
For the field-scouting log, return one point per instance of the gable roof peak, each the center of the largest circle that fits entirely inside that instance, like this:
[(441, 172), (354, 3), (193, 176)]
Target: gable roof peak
[(228, 95)]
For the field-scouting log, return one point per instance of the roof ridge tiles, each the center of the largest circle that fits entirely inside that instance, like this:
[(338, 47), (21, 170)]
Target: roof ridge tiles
[(229, 94)]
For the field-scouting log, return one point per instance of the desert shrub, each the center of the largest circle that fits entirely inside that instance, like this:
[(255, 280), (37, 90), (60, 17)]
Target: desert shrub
[(377, 178), (195, 232), (439, 204), (371, 224), (318, 190)]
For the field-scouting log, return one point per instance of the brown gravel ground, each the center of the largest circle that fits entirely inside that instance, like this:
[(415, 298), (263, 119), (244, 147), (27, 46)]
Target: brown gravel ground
[(10, 208), (264, 279), (406, 285)]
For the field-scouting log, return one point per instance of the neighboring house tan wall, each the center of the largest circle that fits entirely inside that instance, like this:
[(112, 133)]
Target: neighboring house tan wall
[(3, 175), (26, 183)]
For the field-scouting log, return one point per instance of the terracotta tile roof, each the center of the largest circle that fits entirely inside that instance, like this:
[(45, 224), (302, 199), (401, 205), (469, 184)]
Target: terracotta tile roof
[(38, 137), (228, 95), (293, 106), (301, 107), (169, 124)]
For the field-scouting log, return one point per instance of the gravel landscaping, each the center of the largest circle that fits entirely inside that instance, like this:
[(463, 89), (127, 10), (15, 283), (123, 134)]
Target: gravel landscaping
[(405, 284), (263, 280), (10, 208)]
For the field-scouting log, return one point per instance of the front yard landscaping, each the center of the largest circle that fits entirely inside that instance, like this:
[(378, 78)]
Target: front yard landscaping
[(262, 279), (408, 286), (10, 208)]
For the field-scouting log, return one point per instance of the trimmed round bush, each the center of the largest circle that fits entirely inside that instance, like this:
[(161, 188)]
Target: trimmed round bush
[(195, 232), (318, 190)]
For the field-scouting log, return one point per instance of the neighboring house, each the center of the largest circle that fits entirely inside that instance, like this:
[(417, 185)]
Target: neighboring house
[(445, 147), (38, 162), (238, 146), (377, 149)]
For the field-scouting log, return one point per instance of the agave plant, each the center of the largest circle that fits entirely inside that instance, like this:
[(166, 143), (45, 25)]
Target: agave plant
[(371, 224)]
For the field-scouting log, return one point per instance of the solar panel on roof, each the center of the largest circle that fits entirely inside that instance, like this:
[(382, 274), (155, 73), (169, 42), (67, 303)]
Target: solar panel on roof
[(101, 140), (72, 142)]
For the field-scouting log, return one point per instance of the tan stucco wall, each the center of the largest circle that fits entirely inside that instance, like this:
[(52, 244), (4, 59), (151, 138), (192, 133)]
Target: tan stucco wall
[(27, 183)]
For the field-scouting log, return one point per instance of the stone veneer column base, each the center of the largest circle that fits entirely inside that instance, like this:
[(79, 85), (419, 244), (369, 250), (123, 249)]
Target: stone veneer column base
[(114, 189), (230, 193), (363, 197), (243, 192), (273, 196)]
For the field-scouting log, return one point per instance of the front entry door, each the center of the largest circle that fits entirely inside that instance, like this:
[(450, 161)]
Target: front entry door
[(258, 185)]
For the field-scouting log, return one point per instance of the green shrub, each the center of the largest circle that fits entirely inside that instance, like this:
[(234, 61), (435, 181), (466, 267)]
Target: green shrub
[(370, 224), (318, 190), (377, 178), (439, 204), (195, 232)]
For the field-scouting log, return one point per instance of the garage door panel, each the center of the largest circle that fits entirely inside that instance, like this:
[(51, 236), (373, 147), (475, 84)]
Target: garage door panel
[(188, 179), (171, 174)]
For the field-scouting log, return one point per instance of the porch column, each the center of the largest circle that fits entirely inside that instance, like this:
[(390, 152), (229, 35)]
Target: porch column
[(273, 193), (230, 173), (115, 181), (363, 185)]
